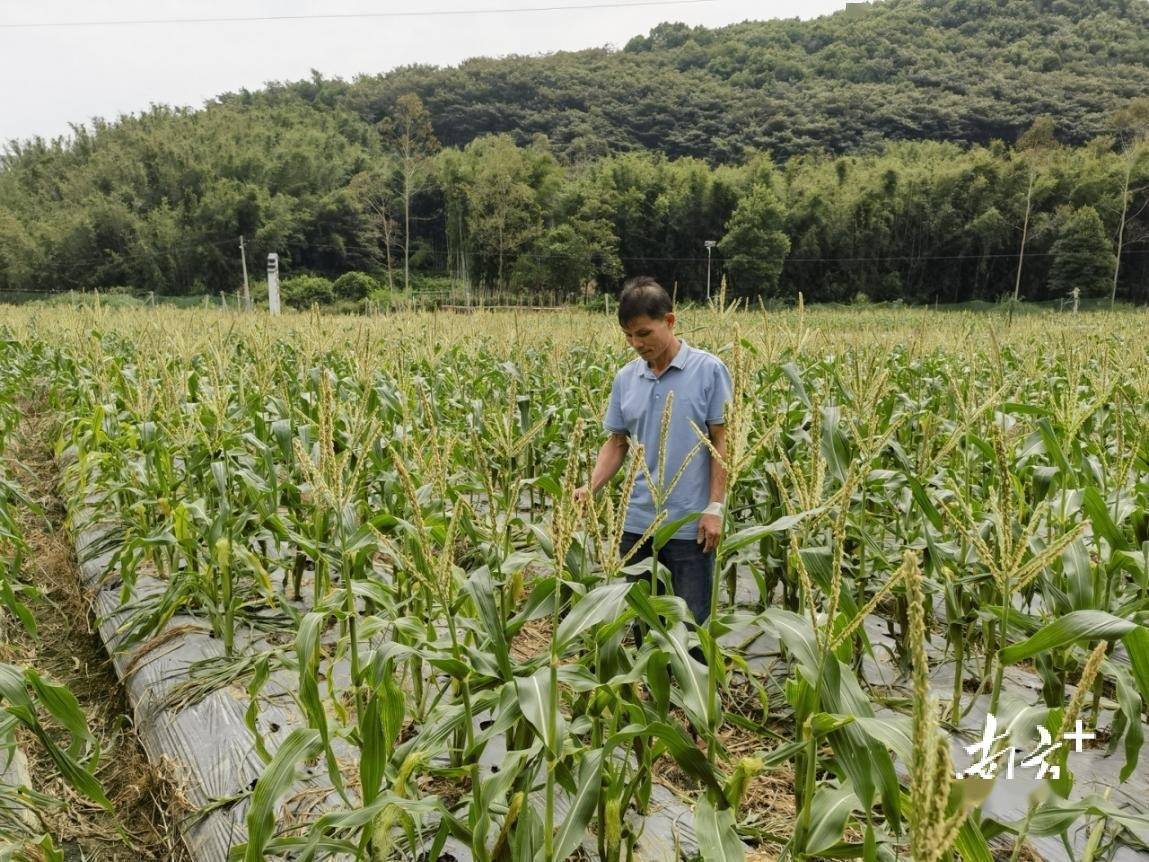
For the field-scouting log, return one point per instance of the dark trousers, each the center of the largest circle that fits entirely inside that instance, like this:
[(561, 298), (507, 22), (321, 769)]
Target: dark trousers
[(691, 571)]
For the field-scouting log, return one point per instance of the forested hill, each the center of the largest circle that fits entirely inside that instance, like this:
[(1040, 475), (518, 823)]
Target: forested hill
[(965, 71), (783, 143)]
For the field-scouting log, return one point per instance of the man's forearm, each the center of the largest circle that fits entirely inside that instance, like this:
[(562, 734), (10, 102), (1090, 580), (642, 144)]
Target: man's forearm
[(610, 458), (717, 465), (717, 482)]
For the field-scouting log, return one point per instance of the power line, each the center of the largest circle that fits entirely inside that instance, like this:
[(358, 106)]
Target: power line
[(439, 253), (344, 16), (108, 256), (66, 269), (137, 254)]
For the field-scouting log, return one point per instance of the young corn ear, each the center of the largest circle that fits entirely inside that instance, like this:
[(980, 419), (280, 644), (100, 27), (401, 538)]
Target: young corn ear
[(501, 850), (746, 770), (386, 820), (612, 827)]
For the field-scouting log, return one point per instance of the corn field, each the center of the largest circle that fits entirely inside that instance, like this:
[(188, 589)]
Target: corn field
[(933, 522)]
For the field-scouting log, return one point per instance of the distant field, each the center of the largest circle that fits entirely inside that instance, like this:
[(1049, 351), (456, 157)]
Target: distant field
[(435, 299), (112, 300), (932, 516)]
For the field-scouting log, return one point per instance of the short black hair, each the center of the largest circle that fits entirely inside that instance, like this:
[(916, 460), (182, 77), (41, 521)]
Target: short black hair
[(643, 296)]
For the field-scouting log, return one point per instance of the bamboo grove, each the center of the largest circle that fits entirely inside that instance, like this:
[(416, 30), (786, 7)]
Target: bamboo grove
[(380, 509), (157, 203)]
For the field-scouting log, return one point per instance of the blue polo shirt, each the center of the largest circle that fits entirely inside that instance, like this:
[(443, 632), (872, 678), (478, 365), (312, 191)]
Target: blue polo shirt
[(701, 387)]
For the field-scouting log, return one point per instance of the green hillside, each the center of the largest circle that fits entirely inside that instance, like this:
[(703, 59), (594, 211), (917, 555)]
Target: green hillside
[(958, 70)]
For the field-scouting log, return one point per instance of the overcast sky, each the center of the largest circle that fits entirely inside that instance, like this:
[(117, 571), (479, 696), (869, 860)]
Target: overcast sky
[(53, 76)]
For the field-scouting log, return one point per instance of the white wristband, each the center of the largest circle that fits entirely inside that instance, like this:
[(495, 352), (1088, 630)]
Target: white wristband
[(714, 509)]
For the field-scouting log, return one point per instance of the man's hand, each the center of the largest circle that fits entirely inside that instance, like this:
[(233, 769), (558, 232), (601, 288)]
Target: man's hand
[(610, 458), (709, 531)]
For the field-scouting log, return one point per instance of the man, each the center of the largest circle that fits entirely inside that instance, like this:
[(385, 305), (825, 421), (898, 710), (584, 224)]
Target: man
[(698, 386)]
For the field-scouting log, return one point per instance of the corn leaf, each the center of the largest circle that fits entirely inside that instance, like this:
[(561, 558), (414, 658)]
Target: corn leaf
[(681, 747), (301, 743), (1103, 524), (534, 701), (829, 811), (307, 648), (718, 840), (481, 588), (1075, 626), (750, 535), (582, 804), (1137, 645), (692, 676), (604, 602)]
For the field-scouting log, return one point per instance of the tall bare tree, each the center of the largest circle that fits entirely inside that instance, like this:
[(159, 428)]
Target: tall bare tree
[(1033, 147), (1132, 124), (411, 138), (374, 194)]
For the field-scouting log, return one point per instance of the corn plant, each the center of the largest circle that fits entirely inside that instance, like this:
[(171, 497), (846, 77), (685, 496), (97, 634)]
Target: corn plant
[(386, 515)]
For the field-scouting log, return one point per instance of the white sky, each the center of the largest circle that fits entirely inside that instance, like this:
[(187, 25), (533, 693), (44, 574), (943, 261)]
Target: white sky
[(53, 76)]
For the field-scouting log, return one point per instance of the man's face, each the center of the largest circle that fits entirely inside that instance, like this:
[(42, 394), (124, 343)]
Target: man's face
[(650, 337)]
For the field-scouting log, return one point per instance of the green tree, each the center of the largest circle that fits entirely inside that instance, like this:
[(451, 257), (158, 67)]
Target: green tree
[(452, 175), (569, 256), (17, 254), (353, 285), (1082, 255), (503, 201), (303, 291), (755, 244)]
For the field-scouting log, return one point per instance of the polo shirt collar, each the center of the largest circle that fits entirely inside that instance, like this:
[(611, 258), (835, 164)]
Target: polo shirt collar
[(679, 360)]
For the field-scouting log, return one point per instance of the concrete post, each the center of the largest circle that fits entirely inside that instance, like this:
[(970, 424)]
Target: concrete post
[(273, 283)]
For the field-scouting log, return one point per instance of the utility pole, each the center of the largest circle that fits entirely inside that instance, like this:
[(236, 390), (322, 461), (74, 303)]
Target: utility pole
[(246, 286), (709, 245)]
